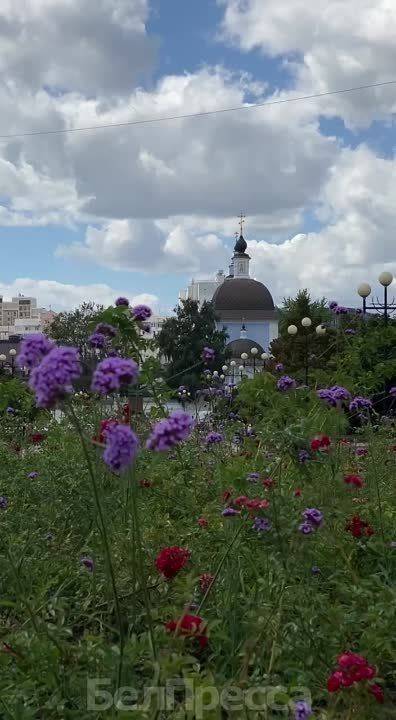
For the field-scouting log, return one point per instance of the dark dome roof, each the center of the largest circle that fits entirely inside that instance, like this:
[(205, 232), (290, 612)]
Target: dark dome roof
[(237, 347), (243, 298), (240, 245)]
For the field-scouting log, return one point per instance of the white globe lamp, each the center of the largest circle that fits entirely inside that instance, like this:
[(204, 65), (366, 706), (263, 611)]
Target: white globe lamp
[(292, 329), (386, 279), (306, 322), (364, 290)]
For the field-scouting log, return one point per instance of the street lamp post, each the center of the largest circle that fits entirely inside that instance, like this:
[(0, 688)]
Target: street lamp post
[(320, 330), (364, 290), (2, 361), (12, 354)]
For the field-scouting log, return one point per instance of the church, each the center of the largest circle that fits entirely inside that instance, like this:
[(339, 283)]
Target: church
[(244, 307)]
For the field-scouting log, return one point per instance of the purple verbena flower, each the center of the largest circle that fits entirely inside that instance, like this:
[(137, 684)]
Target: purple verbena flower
[(3, 502), (33, 475), (141, 312), (88, 563), (286, 383), (253, 477), (335, 395), (33, 349), (360, 403), (279, 367), (10, 411), (392, 391), (315, 570), (121, 446), (170, 432), (341, 310), (262, 524), (230, 512), (303, 456), (122, 301), (208, 354), (302, 710), (214, 438), (112, 373), (333, 304), (306, 528), (350, 331), (106, 329), (52, 379), (97, 340), (313, 516)]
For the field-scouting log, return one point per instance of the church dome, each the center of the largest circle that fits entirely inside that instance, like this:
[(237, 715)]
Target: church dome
[(240, 245), (237, 347), (245, 298)]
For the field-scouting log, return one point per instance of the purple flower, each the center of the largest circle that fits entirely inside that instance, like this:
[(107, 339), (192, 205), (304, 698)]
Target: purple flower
[(230, 512), (335, 395), (113, 372), (302, 710), (121, 446), (146, 327), (88, 563), (333, 304), (10, 411), (3, 502), (360, 403), (141, 312), (208, 354), (97, 340), (214, 438), (392, 391), (361, 451), (350, 331), (52, 379), (106, 329), (122, 301), (306, 528), (315, 570), (279, 367), (313, 516), (170, 432), (303, 456), (33, 475), (253, 477), (286, 383), (340, 310), (33, 349), (262, 524)]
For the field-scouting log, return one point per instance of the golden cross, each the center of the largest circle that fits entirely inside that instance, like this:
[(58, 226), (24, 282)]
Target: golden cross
[(242, 219)]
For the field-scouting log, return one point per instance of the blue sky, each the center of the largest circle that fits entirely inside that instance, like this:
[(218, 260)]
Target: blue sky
[(232, 53)]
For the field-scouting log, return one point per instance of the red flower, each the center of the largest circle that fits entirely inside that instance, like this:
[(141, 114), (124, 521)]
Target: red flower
[(202, 522), (335, 681), (377, 691), (268, 482), (240, 501), (359, 527), (205, 581), (344, 441), (297, 492), (145, 483), (103, 427), (190, 626), (37, 438), (226, 495), (251, 503), (355, 480), (351, 668), (171, 560), (322, 443)]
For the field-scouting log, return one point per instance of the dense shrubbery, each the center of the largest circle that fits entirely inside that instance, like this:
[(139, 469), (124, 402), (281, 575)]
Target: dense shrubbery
[(255, 550)]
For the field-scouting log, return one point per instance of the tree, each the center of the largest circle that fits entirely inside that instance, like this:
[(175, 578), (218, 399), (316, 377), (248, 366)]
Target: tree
[(183, 337), (293, 351), (75, 327)]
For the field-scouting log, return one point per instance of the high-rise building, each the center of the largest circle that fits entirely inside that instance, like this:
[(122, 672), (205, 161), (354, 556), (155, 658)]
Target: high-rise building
[(202, 290), (21, 316)]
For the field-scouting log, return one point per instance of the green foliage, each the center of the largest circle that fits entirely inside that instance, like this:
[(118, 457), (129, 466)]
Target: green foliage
[(295, 309), (183, 337), (368, 361), (14, 393), (74, 327)]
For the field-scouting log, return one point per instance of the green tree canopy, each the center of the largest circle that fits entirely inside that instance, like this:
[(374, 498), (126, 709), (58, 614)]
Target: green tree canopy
[(75, 327), (183, 337)]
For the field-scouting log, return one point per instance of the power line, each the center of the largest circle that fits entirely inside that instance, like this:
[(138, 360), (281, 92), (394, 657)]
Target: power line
[(149, 121)]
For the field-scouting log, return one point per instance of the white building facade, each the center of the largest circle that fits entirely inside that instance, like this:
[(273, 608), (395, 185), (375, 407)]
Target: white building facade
[(21, 316), (202, 290)]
